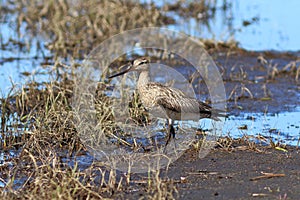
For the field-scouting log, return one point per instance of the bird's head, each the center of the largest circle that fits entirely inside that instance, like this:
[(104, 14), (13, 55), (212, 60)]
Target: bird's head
[(139, 65)]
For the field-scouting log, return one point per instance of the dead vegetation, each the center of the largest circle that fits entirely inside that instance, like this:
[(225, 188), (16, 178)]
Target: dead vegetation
[(49, 141), (46, 146), (73, 28), (37, 120)]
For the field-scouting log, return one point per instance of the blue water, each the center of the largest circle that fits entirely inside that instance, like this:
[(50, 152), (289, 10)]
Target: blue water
[(276, 28), (25, 59), (275, 24), (283, 128)]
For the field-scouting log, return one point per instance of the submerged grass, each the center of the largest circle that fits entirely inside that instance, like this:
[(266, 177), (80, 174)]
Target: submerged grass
[(48, 141), (37, 119), (41, 168), (73, 28)]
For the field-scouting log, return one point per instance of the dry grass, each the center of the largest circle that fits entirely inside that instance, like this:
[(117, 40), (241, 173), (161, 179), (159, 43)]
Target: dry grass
[(48, 139), (37, 119), (73, 28), (41, 168), (292, 68), (201, 10)]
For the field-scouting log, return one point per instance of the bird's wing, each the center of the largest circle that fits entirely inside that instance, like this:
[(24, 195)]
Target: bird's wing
[(183, 105), (176, 101)]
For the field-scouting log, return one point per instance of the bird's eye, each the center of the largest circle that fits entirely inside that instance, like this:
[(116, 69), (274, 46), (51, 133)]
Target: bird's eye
[(144, 61), (139, 62)]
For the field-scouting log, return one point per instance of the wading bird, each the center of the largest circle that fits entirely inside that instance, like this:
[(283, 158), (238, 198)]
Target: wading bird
[(167, 102)]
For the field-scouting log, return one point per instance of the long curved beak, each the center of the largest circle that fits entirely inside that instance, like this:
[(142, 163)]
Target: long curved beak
[(124, 69)]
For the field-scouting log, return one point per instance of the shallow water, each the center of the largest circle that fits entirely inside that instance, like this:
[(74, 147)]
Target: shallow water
[(255, 25), (21, 56), (281, 127), (274, 25)]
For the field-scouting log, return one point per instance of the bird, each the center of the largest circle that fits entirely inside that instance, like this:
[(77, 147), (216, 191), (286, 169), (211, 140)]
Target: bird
[(164, 101)]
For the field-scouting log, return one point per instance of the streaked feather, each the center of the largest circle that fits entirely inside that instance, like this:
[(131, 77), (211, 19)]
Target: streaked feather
[(177, 105)]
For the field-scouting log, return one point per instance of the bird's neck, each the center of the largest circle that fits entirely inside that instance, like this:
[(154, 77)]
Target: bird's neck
[(144, 78)]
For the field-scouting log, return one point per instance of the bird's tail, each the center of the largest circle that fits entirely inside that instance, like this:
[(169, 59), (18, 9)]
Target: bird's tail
[(217, 113)]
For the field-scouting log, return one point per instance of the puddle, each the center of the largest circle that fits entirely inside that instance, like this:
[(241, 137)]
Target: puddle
[(281, 127), (255, 25), (5, 157), (82, 161), (20, 57), (247, 22)]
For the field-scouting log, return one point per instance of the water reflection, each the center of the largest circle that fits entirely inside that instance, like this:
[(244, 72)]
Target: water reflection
[(282, 127), (256, 25)]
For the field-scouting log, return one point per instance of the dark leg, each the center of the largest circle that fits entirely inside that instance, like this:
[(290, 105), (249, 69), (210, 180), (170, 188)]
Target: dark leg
[(171, 132)]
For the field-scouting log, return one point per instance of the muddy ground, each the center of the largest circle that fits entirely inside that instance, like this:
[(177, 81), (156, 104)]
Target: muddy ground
[(241, 173), (255, 82), (242, 170), (272, 81), (233, 175)]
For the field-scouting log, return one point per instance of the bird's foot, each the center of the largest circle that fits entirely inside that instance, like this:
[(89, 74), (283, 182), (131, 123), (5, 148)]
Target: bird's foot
[(171, 133)]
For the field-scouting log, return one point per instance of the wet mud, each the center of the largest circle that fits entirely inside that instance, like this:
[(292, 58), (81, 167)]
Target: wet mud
[(272, 82), (244, 173), (237, 174)]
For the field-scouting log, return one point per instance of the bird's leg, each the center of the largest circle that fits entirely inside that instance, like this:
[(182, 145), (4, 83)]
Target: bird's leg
[(171, 132)]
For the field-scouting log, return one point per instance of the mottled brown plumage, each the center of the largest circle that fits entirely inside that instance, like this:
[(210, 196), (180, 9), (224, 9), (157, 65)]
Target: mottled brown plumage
[(173, 102), (167, 102)]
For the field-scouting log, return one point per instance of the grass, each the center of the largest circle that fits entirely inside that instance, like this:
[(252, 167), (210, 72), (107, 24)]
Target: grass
[(39, 169), (48, 135), (37, 120), (74, 28)]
